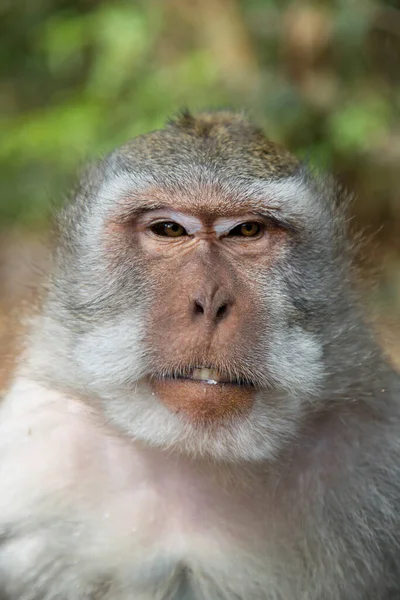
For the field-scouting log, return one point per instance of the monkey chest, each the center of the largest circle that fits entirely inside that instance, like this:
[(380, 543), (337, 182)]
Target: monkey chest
[(187, 546)]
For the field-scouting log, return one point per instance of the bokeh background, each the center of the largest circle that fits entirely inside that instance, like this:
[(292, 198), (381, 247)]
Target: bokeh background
[(81, 76)]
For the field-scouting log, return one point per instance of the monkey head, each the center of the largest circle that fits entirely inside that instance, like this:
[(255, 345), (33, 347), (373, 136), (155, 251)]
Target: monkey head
[(197, 276)]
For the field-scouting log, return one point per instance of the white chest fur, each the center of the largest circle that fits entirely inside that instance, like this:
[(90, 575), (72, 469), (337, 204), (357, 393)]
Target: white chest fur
[(92, 516)]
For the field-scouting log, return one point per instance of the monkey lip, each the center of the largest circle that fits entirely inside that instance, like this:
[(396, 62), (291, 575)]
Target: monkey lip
[(208, 376), (204, 396)]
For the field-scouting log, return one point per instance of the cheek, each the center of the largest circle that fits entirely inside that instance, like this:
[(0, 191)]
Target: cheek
[(296, 360), (110, 354), (295, 355)]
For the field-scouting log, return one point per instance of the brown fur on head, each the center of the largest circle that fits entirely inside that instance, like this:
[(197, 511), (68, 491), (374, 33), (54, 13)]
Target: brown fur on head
[(217, 136)]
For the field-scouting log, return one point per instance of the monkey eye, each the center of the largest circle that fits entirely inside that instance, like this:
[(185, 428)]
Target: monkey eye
[(168, 229), (249, 229)]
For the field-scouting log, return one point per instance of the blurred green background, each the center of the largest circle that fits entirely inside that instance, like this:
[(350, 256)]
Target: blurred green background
[(81, 76)]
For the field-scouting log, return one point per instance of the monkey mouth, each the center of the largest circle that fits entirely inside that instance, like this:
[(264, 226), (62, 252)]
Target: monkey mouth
[(208, 376)]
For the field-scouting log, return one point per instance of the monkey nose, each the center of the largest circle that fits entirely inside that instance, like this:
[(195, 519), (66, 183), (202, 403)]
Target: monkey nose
[(213, 308)]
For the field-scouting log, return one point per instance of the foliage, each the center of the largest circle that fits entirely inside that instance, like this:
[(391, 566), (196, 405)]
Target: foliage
[(80, 77)]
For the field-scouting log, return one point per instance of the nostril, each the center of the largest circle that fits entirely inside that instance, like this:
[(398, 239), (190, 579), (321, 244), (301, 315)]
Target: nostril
[(212, 311), (198, 308), (221, 312)]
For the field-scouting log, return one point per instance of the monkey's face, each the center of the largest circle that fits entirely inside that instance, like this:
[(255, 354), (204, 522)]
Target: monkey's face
[(207, 293), (205, 350)]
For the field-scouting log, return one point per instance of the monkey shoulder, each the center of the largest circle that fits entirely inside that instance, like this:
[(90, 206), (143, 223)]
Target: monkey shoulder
[(358, 470)]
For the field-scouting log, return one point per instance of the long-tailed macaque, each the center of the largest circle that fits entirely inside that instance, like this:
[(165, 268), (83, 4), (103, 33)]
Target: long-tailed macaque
[(200, 411)]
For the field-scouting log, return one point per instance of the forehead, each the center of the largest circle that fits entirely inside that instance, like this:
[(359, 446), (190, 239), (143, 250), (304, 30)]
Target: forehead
[(213, 177)]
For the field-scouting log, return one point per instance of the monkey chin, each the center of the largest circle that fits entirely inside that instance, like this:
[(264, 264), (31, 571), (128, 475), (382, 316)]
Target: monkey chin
[(204, 403)]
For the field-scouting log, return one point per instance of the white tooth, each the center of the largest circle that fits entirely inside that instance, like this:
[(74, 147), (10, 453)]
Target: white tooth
[(195, 374), (202, 374), (209, 375)]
